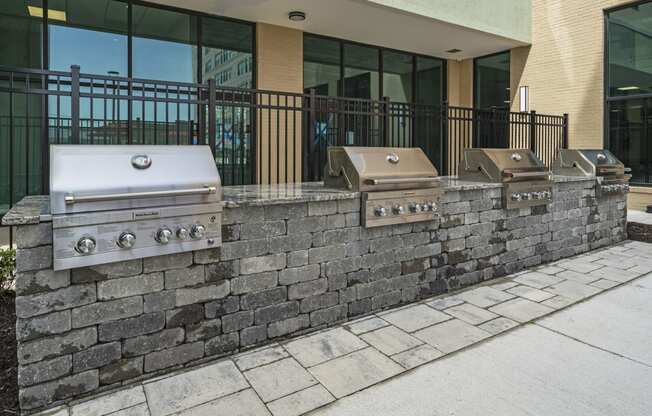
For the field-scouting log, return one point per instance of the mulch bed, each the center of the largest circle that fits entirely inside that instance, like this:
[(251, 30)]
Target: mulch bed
[(8, 361)]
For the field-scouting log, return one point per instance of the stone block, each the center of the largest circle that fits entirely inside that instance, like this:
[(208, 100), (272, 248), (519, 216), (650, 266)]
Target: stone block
[(100, 312), (37, 258), (43, 371), (222, 344), (329, 315), (28, 283), (122, 370), (286, 211), (174, 356), (222, 307), (130, 286), (323, 254), (299, 274), (148, 343), (277, 312), (248, 248), (159, 301), (43, 325), (43, 394), (188, 296), (266, 229), (132, 327), (253, 335), (297, 258), (385, 300), (356, 248), (50, 347), (217, 272), (288, 326), (343, 266), (61, 299), (118, 269), (306, 289), (167, 262), (208, 256), (321, 301), (237, 321), (267, 297), (186, 315), (338, 281), (306, 225), (203, 330), (360, 307), (348, 205), (230, 232), (322, 208), (33, 235), (352, 219), (254, 282), (290, 243), (97, 356), (192, 276)]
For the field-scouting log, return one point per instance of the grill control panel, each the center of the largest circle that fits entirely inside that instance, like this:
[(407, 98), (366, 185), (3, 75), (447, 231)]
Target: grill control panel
[(527, 194), (607, 188), (97, 238), (399, 207)]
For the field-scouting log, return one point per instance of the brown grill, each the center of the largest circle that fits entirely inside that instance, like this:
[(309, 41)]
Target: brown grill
[(398, 185), (610, 173), (527, 180)]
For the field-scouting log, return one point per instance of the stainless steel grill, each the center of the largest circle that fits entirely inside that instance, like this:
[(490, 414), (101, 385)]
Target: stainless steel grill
[(527, 180), (609, 172), (398, 185), (115, 203)]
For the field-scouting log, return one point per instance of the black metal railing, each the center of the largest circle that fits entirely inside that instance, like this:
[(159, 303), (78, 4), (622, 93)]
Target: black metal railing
[(256, 136)]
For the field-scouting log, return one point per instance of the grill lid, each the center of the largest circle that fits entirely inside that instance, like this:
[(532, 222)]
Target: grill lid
[(588, 162), (379, 168), (502, 165), (86, 178)]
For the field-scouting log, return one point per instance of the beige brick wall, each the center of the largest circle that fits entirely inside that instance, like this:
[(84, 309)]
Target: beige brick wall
[(460, 82)]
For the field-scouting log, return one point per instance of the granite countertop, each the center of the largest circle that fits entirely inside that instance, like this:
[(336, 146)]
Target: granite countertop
[(453, 183), (30, 210)]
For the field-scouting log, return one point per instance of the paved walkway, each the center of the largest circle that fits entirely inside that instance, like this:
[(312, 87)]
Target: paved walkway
[(592, 359)]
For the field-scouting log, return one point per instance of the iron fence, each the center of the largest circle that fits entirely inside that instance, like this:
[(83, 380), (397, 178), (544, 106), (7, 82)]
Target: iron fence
[(256, 136)]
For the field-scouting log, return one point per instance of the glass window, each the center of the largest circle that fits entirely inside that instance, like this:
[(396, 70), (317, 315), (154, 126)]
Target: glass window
[(228, 47), (630, 50), (92, 35), (20, 33), (397, 76), (430, 73), (321, 65), (361, 76), (630, 132), (164, 45), (492, 81)]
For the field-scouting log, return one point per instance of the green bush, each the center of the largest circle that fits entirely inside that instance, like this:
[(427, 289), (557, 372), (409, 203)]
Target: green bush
[(7, 268)]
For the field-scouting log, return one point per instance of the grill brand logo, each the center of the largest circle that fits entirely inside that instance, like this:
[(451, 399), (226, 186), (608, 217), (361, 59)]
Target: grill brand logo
[(143, 215)]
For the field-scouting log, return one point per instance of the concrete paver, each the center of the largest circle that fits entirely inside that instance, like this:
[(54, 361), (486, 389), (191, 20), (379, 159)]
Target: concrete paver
[(366, 325), (324, 346), (279, 379), (301, 402), (244, 403), (417, 356), (537, 280), (415, 317), (471, 314), (484, 296), (521, 310), (110, 403), (390, 340), (530, 293), (573, 290), (264, 356), (498, 325), (451, 335)]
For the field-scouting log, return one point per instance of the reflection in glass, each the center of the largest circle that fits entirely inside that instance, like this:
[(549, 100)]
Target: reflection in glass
[(321, 65), (429, 81), (630, 136), (20, 34), (630, 50), (361, 77), (492, 81), (397, 76)]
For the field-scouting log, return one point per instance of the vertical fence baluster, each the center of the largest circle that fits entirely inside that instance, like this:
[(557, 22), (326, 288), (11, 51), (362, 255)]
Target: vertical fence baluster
[(74, 103)]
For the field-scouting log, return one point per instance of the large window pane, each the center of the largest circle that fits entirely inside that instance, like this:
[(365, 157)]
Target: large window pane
[(92, 35), (429, 81), (397, 76), (630, 133), (361, 78), (321, 65), (630, 50), (492, 81), (164, 45), (227, 53), (20, 33)]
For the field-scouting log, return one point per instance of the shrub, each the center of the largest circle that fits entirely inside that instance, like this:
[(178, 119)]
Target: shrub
[(7, 268)]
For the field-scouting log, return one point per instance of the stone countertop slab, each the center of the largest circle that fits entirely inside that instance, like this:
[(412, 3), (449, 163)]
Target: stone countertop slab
[(30, 210)]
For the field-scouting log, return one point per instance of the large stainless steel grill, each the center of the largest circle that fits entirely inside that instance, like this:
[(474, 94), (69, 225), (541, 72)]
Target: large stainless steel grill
[(601, 164), (527, 180), (398, 185), (114, 203)]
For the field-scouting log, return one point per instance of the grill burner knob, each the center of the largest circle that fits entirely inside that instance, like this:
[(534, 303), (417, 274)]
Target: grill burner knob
[(416, 208), (380, 212), (163, 235), (547, 194), (516, 197), (182, 233), (197, 231), (430, 206), (85, 245), (126, 240), (398, 209)]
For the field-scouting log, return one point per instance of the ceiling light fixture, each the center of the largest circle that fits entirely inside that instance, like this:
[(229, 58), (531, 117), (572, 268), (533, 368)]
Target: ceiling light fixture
[(632, 88), (297, 16), (52, 14), (454, 50)]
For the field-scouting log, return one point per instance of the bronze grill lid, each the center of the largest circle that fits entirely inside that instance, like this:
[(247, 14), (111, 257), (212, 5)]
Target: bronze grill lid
[(502, 165), (365, 169)]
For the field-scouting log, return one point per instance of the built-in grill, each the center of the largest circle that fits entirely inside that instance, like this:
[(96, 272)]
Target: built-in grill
[(527, 180), (398, 185), (115, 203), (601, 164)]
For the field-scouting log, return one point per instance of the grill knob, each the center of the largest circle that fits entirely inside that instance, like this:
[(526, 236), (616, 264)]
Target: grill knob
[(126, 240), (380, 212), (182, 233), (626, 188), (197, 231), (416, 208), (163, 235), (398, 209), (85, 245), (516, 197), (431, 206), (547, 194)]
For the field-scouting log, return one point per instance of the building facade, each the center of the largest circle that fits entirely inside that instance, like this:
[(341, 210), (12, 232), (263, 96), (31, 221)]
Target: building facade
[(592, 60)]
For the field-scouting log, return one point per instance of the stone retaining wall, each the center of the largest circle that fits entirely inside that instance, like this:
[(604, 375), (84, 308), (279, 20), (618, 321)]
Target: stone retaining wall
[(283, 270)]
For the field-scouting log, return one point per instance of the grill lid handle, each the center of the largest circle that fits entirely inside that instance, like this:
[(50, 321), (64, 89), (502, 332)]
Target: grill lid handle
[(517, 175), (72, 199), (400, 180)]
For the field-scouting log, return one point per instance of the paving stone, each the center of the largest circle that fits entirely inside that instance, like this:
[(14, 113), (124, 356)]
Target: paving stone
[(267, 297), (505, 285), (537, 280), (29, 259), (498, 325), (578, 277), (279, 379), (444, 303), (417, 356), (605, 284), (324, 346), (353, 372), (130, 286), (138, 410), (365, 325), (191, 388), (28, 236), (484, 296), (254, 359), (573, 290), (110, 403), (390, 340), (470, 313), (579, 266), (451, 335), (550, 270), (521, 310), (301, 402), (530, 293), (243, 403), (276, 312), (616, 275), (557, 302), (413, 318)]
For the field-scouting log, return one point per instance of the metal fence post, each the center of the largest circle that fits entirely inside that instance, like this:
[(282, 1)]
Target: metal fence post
[(311, 126), (74, 103), (212, 121), (386, 123), (565, 132), (444, 138), (533, 131)]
